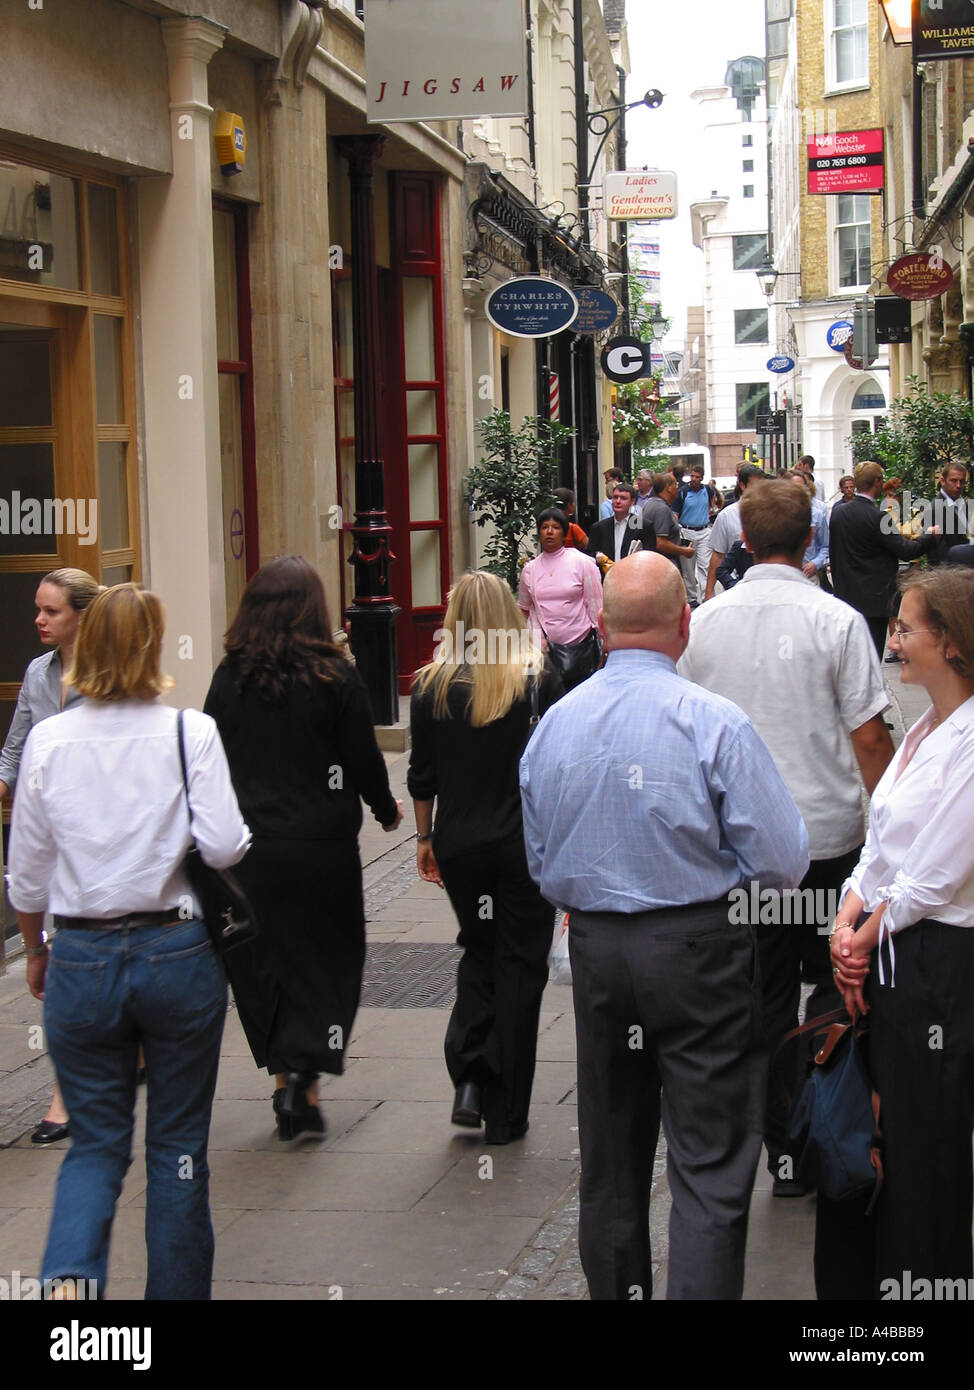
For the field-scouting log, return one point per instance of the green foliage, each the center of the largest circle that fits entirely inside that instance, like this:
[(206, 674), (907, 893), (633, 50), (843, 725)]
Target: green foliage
[(633, 422), (925, 431), (511, 484)]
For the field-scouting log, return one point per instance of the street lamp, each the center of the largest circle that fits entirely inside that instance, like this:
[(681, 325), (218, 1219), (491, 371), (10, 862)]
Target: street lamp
[(899, 18), (768, 277)]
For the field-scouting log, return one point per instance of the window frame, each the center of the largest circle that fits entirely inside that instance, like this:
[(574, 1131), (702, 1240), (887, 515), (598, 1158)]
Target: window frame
[(751, 427), (751, 342), (763, 254), (832, 82), (835, 229)]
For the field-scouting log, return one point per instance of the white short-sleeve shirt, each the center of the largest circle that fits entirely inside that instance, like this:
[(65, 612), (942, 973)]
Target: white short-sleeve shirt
[(802, 665)]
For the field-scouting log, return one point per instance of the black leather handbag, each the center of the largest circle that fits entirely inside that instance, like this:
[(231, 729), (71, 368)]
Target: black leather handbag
[(575, 661), (227, 912)]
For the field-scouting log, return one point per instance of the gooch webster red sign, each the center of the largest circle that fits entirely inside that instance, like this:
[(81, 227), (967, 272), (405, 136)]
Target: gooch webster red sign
[(849, 161)]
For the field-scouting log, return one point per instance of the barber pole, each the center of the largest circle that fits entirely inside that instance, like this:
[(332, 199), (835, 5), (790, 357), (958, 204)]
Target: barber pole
[(553, 406)]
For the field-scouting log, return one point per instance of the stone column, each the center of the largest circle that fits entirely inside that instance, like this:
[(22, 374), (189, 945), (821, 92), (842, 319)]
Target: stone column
[(373, 613), (182, 415)]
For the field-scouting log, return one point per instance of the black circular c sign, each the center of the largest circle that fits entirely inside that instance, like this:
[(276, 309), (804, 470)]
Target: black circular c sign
[(625, 359)]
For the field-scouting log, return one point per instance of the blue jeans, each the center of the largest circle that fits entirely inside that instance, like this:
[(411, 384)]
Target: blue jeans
[(107, 993)]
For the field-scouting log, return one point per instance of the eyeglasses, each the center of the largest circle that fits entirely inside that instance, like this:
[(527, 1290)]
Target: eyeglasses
[(900, 631)]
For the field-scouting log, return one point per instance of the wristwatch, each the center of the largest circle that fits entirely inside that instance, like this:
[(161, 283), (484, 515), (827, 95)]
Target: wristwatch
[(37, 950)]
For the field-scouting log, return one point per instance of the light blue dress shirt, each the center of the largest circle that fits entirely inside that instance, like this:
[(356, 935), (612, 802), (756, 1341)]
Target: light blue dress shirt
[(605, 511), (39, 698), (817, 553), (641, 790)]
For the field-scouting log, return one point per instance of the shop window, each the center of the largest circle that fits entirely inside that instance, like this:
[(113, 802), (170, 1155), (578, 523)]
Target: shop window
[(40, 240)]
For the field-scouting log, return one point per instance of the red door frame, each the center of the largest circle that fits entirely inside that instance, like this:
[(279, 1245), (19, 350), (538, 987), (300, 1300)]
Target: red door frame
[(243, 368), (416, 251)]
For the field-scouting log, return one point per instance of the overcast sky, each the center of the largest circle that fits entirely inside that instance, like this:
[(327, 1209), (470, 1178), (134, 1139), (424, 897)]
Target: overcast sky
[(678, 47)]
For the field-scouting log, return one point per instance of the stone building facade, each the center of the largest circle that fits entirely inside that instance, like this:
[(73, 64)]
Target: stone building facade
[(938, 350), (823, 67), (179, 341)]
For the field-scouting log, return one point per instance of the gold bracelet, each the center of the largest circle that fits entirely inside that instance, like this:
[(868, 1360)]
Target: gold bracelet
[(837, 926)]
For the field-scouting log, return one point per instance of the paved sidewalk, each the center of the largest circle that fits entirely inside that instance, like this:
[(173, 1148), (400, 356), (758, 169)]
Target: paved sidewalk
[(396, 1203)]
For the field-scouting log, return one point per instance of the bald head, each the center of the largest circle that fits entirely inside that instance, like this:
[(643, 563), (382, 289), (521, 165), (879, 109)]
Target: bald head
[(644, 604)]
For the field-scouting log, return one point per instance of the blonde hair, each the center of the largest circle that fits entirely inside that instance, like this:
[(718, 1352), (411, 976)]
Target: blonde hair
[(78, 586), (484, 644), (116, 656)]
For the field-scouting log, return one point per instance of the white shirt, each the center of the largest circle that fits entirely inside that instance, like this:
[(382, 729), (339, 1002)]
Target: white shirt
[(100, 822), (802, 666), (726, 528), (630, 521), (919, 852)]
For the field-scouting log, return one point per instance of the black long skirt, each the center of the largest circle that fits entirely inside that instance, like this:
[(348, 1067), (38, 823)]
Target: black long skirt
[(297, 987)]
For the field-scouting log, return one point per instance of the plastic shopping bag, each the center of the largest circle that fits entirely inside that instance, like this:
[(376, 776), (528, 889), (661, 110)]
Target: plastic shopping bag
[(559, 967)]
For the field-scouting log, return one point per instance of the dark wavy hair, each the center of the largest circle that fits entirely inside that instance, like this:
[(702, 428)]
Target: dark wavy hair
[(281, 633)]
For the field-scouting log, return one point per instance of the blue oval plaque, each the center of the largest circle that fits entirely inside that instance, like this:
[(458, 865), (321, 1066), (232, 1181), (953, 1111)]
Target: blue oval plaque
[(596, 310), (531, 307), (780, 364), (839, 334)]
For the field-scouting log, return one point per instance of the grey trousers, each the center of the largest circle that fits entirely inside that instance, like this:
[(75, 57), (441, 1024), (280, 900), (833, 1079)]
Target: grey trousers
[(667, 1018)]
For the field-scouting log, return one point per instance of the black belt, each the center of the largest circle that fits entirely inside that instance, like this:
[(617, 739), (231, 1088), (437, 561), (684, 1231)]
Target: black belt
[(165, 918), (697, 528)]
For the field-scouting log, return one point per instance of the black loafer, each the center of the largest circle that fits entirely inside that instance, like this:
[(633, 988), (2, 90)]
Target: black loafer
[(468, 1105), (48, 1132)]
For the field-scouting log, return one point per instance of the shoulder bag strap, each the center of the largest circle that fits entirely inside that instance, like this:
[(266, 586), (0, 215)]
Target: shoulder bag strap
[(182, 764)]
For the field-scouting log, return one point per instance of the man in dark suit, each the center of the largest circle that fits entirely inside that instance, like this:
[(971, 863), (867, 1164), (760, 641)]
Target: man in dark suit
[(950, 514), (624, 532), (865, 556)]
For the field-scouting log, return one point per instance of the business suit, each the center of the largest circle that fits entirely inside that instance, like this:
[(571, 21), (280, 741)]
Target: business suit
[(952, 520), (637, 537), (865, 558)]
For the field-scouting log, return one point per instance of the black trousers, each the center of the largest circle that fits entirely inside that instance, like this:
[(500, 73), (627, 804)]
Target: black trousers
[(668, 1028), (879, 632), (921, 1051), (505, 931), (793, 953)]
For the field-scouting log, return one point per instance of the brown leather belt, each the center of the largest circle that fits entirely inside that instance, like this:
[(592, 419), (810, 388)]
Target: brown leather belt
[(165, 918)]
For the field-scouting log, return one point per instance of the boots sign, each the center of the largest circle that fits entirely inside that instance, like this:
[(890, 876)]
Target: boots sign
[(434, 60)]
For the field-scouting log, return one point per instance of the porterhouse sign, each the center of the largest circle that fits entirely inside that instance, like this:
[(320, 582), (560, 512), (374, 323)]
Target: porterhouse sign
[(434, 60)]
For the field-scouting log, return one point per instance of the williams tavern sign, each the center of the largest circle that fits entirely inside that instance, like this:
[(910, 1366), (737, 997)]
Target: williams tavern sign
[(434, 60)]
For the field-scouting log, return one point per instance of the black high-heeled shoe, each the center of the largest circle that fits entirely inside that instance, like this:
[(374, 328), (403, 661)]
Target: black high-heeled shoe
[(294, 1100), (468, 1105)]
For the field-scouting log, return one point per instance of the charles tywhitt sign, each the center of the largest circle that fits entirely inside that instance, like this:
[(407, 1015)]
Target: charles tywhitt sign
[(943, 29), (434, 60)]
